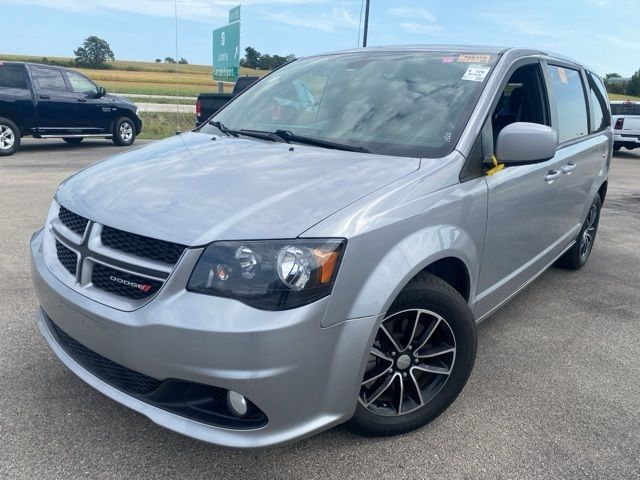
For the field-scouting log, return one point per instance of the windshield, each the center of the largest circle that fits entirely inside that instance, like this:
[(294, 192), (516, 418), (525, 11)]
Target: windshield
[(393, 103)]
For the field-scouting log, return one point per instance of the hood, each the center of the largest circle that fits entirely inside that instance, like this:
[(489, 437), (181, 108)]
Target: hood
[(193, 190), (119, 99)]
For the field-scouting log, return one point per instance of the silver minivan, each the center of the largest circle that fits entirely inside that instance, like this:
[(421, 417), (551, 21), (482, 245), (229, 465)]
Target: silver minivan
[(321, 250)]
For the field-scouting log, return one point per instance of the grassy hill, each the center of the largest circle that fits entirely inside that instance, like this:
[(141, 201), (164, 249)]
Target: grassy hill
[(146, 78)]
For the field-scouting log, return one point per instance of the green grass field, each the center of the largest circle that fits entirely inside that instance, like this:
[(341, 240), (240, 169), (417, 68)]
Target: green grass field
[(147, 78), (618, 96), (162, 125)]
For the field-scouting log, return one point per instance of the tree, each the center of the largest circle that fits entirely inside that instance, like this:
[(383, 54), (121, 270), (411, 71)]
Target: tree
[(93, 53), (183, 61), (251, 58), (633, 86), (158, 60), (169, 60), (612, 75)]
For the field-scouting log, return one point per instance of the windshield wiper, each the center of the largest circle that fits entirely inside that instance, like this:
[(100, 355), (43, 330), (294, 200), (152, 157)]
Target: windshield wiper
[(288, 136), (222, 128), (274, 137)]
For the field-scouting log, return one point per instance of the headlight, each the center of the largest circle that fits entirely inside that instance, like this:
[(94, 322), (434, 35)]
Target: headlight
[(269, 275)]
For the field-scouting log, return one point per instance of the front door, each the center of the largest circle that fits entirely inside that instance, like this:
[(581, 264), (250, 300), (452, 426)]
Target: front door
[(95, 112), (526, 222), (56, 105)]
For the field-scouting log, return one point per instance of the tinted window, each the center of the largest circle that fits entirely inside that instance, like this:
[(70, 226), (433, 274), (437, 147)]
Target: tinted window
[(625, 109), (13, 76), (405, 104), (48, 79), (600, 118), (572, 109), (80, 84)]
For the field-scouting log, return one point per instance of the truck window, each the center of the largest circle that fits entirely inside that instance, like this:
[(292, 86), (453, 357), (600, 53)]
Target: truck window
[(48, 79), (13, 76), (80, 84), (570, 101), (600, 119)]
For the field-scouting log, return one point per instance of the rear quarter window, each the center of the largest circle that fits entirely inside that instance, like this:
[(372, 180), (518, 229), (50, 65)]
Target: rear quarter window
[(13, 76)]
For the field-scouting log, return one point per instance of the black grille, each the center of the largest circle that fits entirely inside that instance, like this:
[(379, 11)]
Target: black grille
[(67, 258), (122, 283), (72, 221), (144, 247), (114, 374)]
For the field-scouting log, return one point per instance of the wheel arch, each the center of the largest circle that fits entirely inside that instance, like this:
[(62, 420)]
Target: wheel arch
[(602, 191), (446, 251)]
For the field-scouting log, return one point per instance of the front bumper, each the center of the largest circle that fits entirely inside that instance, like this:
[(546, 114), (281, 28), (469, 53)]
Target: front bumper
[(305, 378)]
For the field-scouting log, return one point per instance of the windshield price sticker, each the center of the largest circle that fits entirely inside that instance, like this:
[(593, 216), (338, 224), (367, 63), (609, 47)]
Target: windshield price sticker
[(474, 58), (476, 73)]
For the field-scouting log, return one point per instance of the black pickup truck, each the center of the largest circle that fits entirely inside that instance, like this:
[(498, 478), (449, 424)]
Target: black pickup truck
[(209, 103), (53, 102)]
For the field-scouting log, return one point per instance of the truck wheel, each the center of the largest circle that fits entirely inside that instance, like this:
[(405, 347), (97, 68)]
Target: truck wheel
[(420, 360), (73, 140), (124, 132), (9, 137), (616, 148)]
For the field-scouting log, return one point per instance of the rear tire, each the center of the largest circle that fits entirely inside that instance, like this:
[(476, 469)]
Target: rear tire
[(124, 132), (73, 140), (616, 148), (9, 137), (578, 255), (431, 357)]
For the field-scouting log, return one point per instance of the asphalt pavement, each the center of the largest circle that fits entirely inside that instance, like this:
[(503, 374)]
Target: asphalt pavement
[(555, 392)]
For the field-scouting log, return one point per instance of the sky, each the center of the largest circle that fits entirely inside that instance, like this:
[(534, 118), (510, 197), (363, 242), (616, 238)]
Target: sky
[(595, 32)]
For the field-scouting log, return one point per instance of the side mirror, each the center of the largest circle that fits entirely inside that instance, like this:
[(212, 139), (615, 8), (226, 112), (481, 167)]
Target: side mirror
[(523, 142), (102, 91)]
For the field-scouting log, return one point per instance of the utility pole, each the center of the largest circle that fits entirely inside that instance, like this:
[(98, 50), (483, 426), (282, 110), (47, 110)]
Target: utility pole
[(366, 24)]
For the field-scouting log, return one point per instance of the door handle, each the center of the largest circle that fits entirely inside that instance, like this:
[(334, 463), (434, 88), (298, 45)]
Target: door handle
[(44, 97), (82, 100), (552, 175), (568, 168)]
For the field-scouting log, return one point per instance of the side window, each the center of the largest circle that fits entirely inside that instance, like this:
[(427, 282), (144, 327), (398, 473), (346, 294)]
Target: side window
[(600, 118), (80, 84), (12, 76), (48, 79), (570, 100), (523, 99)]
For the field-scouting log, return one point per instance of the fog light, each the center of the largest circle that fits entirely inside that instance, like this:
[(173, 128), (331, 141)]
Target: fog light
[(237, 403)]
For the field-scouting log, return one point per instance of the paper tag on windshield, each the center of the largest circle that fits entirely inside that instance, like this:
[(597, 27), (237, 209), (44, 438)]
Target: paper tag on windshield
[(466, 58), (476, 73)]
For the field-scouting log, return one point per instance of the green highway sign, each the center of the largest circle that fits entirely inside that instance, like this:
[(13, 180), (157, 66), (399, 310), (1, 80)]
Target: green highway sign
[(226, 52), (234, 14)]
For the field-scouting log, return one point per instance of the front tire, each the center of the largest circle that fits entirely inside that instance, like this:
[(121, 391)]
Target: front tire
[(420, 361), (578, 255), (73, 140), (9, 137), (124, 132)]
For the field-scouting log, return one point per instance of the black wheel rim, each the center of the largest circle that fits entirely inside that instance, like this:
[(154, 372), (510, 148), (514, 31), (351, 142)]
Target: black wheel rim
[(589, 232), (411, 360)]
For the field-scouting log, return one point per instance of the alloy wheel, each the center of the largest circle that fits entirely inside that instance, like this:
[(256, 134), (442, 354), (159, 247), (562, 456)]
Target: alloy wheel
[(411, 360), (589, 232), (126, 131), (7, 138)]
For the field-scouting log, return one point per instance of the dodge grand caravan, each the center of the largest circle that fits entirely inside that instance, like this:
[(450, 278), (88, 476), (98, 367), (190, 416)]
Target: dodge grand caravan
[(289, 266)]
